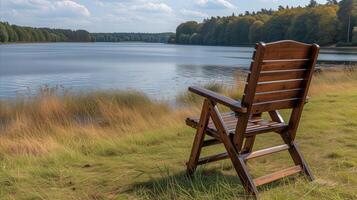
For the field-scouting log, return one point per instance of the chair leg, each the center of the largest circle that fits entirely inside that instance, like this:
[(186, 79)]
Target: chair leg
[(297, 156), (248, 144), (249, 141), (299, 159), (199, 138), (237, 161)]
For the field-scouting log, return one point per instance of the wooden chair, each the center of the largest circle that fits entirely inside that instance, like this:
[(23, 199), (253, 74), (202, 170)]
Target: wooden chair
[(279, 78)]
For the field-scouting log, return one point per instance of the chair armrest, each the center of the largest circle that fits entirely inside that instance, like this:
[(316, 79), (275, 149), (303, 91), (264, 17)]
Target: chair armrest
[(229, 102)]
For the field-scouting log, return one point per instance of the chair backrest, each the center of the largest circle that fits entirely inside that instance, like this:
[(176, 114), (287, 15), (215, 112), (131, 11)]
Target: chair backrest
[(280, 76)]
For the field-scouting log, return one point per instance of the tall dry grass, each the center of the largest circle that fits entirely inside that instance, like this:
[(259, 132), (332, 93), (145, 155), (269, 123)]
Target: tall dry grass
[(334, 79), (54, 117), (40, 123)]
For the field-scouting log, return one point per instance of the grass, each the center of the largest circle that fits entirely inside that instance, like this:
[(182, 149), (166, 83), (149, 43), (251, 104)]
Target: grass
[(122, 145)]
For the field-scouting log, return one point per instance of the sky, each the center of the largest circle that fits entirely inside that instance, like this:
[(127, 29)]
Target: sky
[(126, 15)]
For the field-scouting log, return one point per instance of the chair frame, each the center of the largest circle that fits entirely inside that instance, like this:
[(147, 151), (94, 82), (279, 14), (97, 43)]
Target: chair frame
[(239, 147)]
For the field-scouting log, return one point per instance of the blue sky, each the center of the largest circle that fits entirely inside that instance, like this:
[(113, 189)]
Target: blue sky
[(126, 15)]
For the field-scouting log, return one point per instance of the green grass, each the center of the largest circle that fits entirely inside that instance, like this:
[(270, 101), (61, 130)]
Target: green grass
[(146, 159)]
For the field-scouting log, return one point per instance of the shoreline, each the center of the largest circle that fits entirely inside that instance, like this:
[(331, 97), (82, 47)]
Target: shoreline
[(14, 43), (240, 75), (329, 47)]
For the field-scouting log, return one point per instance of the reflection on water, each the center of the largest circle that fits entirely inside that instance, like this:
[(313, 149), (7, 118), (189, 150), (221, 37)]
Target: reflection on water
[(159, 70)]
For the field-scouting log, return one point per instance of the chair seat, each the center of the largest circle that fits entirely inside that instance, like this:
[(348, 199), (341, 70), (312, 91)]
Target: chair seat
[(255, 126)]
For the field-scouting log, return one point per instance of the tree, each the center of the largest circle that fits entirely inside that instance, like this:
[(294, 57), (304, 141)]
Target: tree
[(46, 35), (207, 31), (347, 16), (327, 22), (317, 25), (4, 37), (277, 27), (21, 33), (195, 39), (186, 29), (184, 38), (11, 33), (256, 32), (239, 30), (189, 27), (82, 36), (312, 4)]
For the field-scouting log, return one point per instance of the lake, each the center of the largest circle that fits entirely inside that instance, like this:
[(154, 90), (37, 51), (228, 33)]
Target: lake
[(159, 70)]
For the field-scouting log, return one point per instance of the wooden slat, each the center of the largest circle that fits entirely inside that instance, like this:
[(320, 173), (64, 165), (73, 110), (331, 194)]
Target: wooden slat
[(284, 65), (280, 75), (277, 95), (274, 105), (260, 130), (211, 142), (277, 175), (263, 152), (287, 50), (213, 158), (255, 126), (279, 85), (287, 53)]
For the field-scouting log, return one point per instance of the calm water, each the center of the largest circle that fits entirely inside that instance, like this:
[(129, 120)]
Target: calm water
[(159, 70)]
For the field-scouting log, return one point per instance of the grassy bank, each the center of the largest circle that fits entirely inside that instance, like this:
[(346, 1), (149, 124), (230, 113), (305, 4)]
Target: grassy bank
[(122, 145)]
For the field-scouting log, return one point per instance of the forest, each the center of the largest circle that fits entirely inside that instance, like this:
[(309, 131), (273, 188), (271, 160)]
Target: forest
[(13, 33), (124, 37), (326, 24)]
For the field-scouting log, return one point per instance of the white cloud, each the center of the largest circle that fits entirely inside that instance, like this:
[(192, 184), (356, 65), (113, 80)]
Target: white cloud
[(215, 4), (226, 4), (193, 13), (134, 15), (47, 8), (149, 6), (67, 6)]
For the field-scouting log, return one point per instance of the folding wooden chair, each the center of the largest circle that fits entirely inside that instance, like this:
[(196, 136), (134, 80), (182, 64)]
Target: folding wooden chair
[(279, 78)]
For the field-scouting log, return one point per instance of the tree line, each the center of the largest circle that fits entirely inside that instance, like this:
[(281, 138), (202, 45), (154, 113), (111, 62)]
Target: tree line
[(326, 24), (14, 33), (124, 37)]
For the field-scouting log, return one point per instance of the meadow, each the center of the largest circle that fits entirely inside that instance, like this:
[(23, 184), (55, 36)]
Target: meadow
[(123, 145)]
